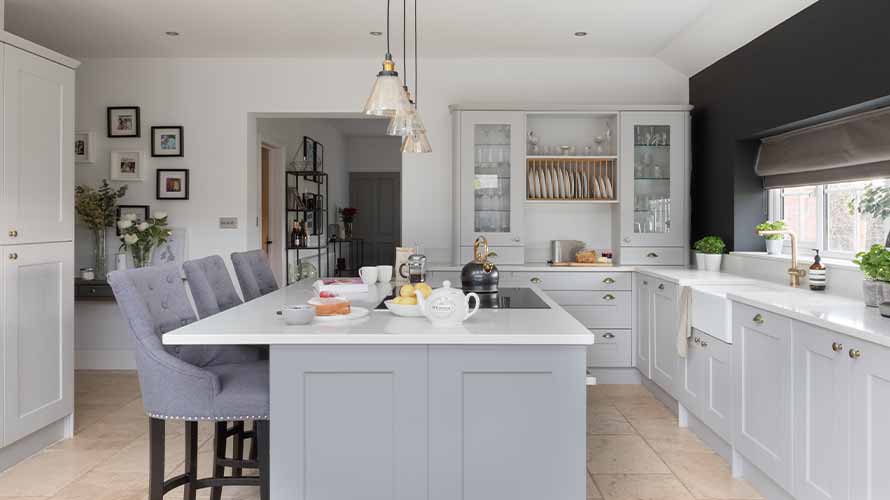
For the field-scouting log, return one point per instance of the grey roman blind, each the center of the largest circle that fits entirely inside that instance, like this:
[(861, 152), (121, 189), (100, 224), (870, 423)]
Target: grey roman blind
[(848, 149)]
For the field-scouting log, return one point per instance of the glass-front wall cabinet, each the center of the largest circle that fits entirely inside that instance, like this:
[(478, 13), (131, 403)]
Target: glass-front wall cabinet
[(653, 171), (492, 182)]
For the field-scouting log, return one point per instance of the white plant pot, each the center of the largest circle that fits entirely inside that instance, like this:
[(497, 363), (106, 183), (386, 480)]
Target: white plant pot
[(875, 292), (774, 247), (700, 261), (712, 261)]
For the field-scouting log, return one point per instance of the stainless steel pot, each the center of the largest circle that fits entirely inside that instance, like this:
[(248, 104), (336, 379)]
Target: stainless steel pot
[(480, 275)]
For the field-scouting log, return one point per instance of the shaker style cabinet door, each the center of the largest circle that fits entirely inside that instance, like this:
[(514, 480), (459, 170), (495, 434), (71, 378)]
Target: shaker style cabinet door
[(644, 287), (37, 185), (664, 335), (870, 434), (492, 177), (692, 376), (37, 328), (762, 371), (821, 414), (653, 178)]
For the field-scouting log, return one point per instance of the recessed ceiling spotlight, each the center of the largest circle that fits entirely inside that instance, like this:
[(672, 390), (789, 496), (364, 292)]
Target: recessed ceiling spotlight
[(171, 33), (376, 33), (580, 33)]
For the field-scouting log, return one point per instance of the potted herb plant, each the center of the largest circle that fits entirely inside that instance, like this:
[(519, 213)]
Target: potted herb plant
[(774, 242), (140, 239), (709, 253), (95, 207), (875, 265)]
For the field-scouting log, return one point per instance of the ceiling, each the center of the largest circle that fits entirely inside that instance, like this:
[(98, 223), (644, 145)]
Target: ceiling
[(340, 28)]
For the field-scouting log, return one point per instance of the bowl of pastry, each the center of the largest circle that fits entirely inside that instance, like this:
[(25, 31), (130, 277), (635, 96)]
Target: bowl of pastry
[(405, 304)]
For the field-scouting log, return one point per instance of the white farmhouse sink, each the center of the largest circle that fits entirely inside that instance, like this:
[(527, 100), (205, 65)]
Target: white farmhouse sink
[(711, 312)]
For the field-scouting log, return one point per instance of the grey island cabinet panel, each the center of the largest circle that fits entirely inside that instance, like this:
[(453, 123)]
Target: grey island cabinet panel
[(507, 422), (470, 422), (349, 422)]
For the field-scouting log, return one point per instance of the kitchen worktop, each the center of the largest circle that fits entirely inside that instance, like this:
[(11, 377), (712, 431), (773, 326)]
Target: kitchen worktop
[(256, 322), (690, 276), (535, 267)]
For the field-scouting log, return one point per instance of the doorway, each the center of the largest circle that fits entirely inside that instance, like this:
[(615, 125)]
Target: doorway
[(270, 225), (378, 198)]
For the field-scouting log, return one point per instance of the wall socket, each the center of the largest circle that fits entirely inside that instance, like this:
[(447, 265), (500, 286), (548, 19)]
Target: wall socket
[(228, 222)]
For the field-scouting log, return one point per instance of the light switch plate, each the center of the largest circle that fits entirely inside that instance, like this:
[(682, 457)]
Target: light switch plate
[(228, 222)]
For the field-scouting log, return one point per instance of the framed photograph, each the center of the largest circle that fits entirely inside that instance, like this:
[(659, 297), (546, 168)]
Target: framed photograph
[(141, 212), (308, 151), (83, 147), (127, 166), (123, 121), (173, 184), (166, 141)]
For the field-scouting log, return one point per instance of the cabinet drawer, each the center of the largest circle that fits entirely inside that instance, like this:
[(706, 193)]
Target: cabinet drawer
[(91, 291), (576, 280), (653, 256), (757, 319), (597, 310), (504, 255), (611, 349)]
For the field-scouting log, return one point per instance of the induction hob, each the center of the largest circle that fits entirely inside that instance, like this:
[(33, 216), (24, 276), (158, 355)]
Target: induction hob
[(505, 298)]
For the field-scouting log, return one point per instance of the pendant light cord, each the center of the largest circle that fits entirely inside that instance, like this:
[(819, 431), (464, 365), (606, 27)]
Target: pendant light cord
[(416, 63), (387, 27), (405, 38)]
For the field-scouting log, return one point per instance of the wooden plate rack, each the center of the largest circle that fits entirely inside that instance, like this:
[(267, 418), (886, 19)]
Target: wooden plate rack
[(571, 179)]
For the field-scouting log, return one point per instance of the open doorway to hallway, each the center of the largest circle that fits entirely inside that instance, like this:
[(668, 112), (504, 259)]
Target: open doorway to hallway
[(362, 169)]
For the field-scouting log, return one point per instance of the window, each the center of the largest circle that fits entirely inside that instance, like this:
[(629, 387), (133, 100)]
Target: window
[(821, 217)]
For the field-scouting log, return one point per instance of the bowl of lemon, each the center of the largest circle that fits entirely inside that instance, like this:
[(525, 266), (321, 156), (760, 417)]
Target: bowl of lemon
[(405, 304)]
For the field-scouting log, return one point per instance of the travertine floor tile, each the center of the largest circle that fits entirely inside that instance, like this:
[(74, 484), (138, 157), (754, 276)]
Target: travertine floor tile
[(622, 454), (707, 475), (665, 435), (641, 487), (106, 486), (49, 471), (592, 491), (605, 423), (642, 407)]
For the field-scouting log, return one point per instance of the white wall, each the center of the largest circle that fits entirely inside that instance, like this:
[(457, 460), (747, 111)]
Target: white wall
[(373, 154), (213, 99)]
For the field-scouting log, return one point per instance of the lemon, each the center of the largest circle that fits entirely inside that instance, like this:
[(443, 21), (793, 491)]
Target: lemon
[(425, 289), (407, 291)]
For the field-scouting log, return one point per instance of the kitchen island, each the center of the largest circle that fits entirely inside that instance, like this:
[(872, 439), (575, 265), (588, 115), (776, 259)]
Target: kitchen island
[(390, 408)]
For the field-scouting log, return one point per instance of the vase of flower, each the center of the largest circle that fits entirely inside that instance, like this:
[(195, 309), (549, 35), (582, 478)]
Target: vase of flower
[(347, 215), (140, 238), (96, 209)]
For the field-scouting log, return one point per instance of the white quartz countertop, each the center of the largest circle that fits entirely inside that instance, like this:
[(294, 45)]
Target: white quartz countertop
[(690, 277), (832, 312), (257, 322), (535, 267)]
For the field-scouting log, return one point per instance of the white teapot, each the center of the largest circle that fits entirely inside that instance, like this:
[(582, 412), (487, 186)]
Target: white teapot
[(447, 306)]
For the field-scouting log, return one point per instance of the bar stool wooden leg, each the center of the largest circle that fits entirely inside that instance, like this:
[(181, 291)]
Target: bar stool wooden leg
[(190, 489), (238, 446), (220, 437), (261, 427), (156, 459)]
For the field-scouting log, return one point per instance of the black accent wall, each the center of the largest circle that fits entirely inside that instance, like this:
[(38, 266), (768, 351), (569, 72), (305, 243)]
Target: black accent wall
[(834, 54)]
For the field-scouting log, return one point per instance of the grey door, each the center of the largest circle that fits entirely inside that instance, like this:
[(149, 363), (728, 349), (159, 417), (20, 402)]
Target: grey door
[(378, 198)]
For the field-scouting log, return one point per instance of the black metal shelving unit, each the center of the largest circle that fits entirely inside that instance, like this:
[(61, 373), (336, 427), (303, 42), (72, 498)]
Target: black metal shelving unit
[(297, 200), (354, 256)]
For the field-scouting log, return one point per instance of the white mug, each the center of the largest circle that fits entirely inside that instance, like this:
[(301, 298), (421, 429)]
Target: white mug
[(368, 274), (384, 274)]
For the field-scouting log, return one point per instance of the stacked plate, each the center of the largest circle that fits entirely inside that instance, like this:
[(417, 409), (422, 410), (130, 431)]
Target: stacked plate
[(570, 180)]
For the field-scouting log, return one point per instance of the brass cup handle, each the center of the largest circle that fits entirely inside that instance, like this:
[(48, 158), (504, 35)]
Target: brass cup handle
[(608, 296), (608, 335), (13, 233), (13, 256), (652, 255), (758, 319), (661, 286), (837, 347), (608, 281), (855, 353), (536, 280)]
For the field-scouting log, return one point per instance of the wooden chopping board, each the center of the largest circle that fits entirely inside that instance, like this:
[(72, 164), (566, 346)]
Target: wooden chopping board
[(583, 264)]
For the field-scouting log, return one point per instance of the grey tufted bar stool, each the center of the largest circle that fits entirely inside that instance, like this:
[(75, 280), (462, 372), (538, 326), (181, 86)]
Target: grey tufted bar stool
[(213, 292), (154, 301), (254, 274)]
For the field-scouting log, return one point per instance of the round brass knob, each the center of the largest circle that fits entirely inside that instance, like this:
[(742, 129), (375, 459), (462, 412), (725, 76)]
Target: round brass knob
[(697, 340), (645, 283), (13, 233), (837, 347), (855, 353)]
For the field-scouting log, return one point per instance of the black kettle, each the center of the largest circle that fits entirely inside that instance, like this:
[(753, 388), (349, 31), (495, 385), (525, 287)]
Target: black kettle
[(480, 275)]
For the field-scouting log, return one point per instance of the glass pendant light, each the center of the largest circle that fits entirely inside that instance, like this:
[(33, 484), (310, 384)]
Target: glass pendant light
[(415, 137), (388, 95)]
